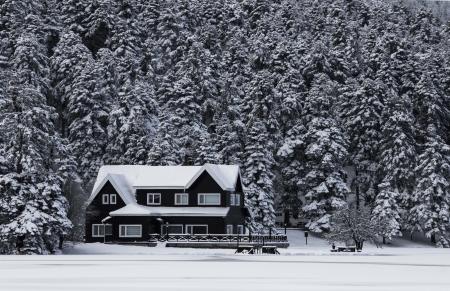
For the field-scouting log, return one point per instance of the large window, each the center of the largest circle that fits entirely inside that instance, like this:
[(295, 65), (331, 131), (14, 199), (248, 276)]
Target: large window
[(172, 229), (153, 198), (229, 229), (130, 230), (181, 199), (235, 199), (99, 230), (196, 228), (209, 199)]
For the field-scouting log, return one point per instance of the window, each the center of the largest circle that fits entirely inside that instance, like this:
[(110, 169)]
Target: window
[(153, 198), (181, 199), (229, 229), (98, 230), (196, 229), (130, 230), (235, 199), (172, 229), (112, 199), (208, 199), (240, 229), (109, 198)]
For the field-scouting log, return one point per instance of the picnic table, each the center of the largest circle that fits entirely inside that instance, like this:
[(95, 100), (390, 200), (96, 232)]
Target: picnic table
[(245, 249), (270, 250)]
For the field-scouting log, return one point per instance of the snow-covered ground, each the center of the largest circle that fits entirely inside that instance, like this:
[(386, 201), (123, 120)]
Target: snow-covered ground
[(400, 266)]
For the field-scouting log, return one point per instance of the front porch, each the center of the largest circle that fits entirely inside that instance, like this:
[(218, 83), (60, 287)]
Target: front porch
[(225, 241)]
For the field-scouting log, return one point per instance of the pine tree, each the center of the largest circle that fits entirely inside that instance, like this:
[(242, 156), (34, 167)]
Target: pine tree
[(361, 115), (33, 211), (230, 134), (258, 178), (290, 154), (67, 63), (325, 150), (398, 152), (132, 125), (386, 213), (431, 197), (89, 105)]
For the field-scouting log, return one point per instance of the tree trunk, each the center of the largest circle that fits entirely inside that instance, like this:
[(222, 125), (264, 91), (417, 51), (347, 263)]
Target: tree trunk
[(357, 190), (359, 244), (61, 241), (384, 240), (286, 217)]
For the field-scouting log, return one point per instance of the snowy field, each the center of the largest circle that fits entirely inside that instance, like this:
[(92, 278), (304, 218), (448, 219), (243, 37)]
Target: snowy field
[(400, 266)]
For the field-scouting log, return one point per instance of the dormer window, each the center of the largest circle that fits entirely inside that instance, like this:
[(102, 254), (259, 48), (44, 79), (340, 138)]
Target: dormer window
[(153, 198)]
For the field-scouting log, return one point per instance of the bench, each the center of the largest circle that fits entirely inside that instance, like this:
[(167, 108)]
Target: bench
[(344, 249), (270, 250)]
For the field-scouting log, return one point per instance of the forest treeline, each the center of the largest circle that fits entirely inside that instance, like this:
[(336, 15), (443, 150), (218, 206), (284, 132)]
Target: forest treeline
[(323, 104)]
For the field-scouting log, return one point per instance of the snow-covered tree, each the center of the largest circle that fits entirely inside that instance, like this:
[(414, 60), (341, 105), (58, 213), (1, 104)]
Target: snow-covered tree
[(325, 151), (353, 226), (386, 212), (361, 114), (67, 63), (132, 125), (33, 211), (89, 105), (258, 178), (431, 197)]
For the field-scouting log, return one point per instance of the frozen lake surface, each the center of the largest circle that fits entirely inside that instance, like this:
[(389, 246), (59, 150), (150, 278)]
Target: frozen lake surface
[(403, 266)]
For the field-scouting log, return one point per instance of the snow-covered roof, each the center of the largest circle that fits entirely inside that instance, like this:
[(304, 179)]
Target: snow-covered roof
[(140, 210), (126, 178), (119, 183)]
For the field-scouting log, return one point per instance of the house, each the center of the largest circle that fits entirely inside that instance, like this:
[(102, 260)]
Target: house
[(129, 203)]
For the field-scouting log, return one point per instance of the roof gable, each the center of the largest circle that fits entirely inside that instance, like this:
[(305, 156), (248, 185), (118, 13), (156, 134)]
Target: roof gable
[(227, 183), (119, 183)]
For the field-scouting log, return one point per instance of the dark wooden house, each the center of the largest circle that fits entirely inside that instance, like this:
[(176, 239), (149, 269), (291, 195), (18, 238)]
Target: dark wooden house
[(130, 203)]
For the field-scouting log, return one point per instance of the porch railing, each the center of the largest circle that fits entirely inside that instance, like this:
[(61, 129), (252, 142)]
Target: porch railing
[(247, 238)]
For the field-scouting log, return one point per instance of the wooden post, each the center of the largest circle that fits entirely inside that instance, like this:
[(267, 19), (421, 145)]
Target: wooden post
[(167, 231)]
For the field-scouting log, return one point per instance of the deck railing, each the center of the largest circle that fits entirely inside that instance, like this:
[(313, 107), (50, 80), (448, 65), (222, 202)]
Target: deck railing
[(243, 238)]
